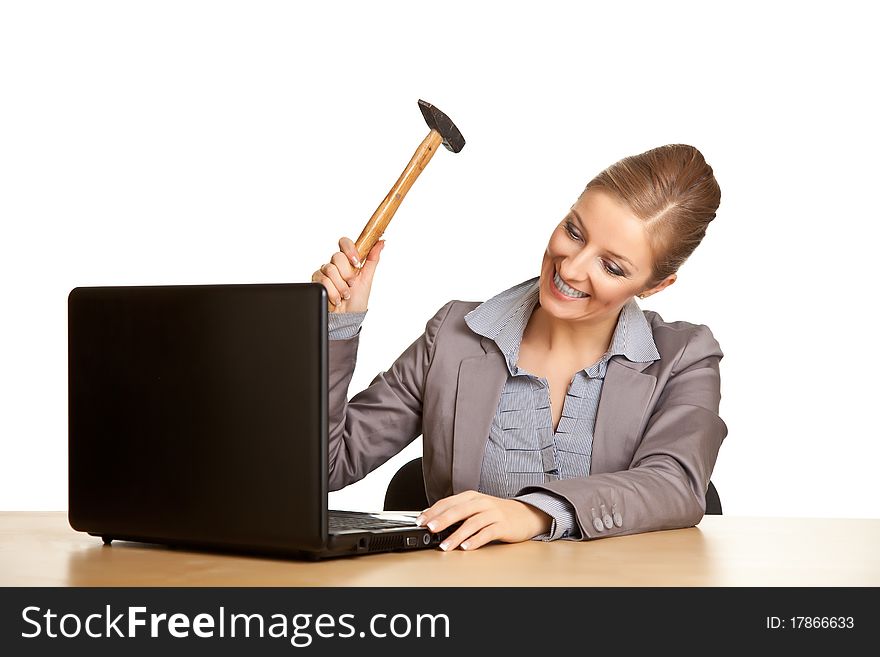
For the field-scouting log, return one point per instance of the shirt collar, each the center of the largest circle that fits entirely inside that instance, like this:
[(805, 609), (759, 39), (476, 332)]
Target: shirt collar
[(503, 318)]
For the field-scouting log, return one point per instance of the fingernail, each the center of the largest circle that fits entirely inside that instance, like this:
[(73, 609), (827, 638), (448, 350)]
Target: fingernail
[(464, 546), (346, 296), (420, 520), (444, 546), (355, 261), (432, 525)]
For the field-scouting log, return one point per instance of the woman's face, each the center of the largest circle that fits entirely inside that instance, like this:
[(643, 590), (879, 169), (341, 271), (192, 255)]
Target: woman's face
[(601, 249)]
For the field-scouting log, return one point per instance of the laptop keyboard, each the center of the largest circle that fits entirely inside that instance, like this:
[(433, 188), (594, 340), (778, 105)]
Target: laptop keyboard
[(343, 520)]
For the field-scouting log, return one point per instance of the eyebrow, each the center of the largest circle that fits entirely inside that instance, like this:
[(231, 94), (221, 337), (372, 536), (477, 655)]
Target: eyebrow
[(616, 255)]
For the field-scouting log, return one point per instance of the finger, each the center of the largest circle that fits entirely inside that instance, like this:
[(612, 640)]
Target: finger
[(440, 506), (332, 293), (436, 508), (346, 271), (348, 247), (318, 276), (487, 534), (373, 255), (460, 511), (372, 260), (468, 528), (331, 271)]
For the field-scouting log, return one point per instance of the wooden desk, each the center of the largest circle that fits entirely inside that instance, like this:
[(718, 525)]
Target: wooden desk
[(40, 549)]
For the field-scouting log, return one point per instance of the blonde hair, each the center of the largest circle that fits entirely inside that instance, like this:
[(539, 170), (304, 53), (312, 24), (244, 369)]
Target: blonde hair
[(673, 190)]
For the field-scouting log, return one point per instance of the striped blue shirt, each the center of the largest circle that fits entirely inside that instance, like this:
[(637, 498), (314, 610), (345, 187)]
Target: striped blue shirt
[(522, 448)]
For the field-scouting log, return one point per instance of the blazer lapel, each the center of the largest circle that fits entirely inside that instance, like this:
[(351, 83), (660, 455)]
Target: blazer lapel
[(480, 382), (626, 393)]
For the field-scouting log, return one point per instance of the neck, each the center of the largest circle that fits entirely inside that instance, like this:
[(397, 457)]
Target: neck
[(569, 338)]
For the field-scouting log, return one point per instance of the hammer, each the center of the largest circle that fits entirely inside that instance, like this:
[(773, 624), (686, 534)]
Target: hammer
[(443, 131)]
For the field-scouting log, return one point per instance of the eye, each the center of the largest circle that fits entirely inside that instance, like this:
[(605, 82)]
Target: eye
[(613, 270)]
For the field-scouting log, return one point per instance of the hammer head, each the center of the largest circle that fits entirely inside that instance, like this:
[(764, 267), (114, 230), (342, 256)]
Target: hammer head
[(438, 121)]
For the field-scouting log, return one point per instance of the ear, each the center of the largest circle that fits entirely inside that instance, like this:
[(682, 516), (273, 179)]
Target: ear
[(666, 282)]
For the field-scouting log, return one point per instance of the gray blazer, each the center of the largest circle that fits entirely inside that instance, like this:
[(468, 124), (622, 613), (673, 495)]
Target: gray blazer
[(655, 442)]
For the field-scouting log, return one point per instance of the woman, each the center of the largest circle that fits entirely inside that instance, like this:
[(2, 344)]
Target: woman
[(558, 408)]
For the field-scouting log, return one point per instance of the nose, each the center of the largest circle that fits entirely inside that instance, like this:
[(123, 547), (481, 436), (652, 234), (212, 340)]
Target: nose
[(574, 270)]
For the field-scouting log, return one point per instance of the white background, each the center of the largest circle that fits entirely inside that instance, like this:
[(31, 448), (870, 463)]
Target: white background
[(235, 142)]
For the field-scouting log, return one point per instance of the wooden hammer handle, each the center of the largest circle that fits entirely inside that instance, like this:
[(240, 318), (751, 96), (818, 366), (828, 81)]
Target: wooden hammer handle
[(383, 214)]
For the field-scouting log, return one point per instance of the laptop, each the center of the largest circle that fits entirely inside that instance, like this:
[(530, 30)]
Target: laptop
[(198, 418)]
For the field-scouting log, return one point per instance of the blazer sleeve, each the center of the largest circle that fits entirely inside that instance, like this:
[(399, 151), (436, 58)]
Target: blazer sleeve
[(665, 484), (381, 420)]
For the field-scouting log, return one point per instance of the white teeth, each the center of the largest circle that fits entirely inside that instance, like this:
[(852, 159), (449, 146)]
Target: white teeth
[(567, 290)]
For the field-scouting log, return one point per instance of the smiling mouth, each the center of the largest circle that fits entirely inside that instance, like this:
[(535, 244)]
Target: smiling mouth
[(566, 289)]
